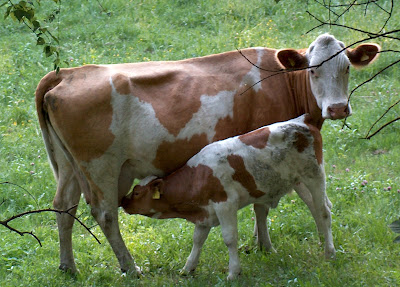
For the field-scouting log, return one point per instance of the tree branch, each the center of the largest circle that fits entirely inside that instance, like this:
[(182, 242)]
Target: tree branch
[(6, 222), (381, 128)]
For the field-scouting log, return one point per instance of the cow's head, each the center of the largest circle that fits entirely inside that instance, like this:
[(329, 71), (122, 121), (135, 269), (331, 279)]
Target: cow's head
[(328, 64)]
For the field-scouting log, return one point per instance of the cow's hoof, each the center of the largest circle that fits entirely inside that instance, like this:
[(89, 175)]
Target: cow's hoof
[(134, 272), (68, 269), (186, 272), (330, 255), (232, 276)]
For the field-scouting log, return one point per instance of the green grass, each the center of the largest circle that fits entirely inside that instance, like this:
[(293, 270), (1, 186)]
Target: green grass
[(168, 30)]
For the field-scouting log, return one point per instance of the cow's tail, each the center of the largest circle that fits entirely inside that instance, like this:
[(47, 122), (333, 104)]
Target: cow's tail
[(48, 83)]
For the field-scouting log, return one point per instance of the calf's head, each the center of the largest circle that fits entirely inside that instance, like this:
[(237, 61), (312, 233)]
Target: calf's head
[(328, 62), (146, 199)]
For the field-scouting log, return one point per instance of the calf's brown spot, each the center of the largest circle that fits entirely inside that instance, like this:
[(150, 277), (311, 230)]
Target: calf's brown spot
[(243, 176), (301, 142), (257, 138)]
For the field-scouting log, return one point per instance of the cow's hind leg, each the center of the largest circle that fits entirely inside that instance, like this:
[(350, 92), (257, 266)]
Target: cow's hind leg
[(199, 237), (67, 196), (106, 214)]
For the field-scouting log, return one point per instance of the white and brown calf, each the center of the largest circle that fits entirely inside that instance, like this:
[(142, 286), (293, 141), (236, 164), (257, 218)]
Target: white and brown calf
[(258, 167)]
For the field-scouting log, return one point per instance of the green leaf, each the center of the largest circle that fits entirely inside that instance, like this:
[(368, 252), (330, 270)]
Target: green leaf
[(7, 13), (36, 25), (397, 239), (40, 41)]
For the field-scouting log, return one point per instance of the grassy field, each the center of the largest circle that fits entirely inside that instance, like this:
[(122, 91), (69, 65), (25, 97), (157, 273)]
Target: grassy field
[(363, 175)]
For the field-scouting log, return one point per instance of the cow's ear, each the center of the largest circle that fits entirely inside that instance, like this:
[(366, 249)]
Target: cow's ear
[(363, 54), (292, 59)]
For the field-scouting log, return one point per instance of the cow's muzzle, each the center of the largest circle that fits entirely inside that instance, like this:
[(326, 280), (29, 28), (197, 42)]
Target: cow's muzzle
[(339, 111)]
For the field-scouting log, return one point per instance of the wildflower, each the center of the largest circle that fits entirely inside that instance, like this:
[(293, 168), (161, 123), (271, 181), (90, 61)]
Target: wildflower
[(334, 166), (364, 182), (389, 188), (347, 169)]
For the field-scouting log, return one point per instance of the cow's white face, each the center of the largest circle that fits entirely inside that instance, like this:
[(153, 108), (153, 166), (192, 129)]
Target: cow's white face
[(328, 71), (329, 82)]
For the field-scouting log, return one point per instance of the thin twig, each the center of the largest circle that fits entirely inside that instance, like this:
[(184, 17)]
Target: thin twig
[(387, 110), (6, 222), (381, 128), (10, 183)]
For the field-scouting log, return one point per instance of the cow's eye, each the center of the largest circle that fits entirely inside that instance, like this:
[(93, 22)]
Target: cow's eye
[(313, 73), (347, 69)]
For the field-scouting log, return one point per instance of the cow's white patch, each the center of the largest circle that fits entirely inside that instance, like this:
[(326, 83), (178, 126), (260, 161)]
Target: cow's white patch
[(253, 78), (212, 109), (138, 133)]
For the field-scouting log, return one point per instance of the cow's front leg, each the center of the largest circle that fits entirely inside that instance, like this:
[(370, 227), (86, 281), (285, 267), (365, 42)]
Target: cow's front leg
[(261, 227), (199, 237), (322, 213)]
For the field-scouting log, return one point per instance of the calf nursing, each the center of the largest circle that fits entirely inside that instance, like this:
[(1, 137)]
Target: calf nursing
[(255, 168)]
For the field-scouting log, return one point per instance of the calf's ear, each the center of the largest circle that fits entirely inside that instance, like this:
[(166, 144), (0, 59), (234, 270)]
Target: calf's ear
[(157, 185), (363, 54), (292, 59)]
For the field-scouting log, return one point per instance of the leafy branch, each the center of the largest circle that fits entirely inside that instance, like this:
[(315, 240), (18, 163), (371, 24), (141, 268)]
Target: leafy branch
[(25, 12)]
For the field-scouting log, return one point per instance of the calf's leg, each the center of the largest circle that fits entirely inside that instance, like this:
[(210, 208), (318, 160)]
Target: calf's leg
[(199, 237), (261, 228), (227, 216), (322, 212)]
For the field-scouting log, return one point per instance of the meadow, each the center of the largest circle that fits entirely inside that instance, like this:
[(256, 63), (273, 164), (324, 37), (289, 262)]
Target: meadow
[(363, 176)]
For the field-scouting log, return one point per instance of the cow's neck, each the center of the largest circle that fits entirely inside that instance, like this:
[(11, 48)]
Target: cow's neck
[(303, 97)]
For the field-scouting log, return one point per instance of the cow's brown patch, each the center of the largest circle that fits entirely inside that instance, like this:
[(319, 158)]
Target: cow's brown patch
[(243, 176), (301, 142), (121, 84), (172, 155), (82, 113), (257, 138)]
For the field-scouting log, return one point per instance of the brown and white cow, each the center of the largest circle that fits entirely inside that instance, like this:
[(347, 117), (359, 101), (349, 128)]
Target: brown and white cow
[(258, 167), (104, 125)]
